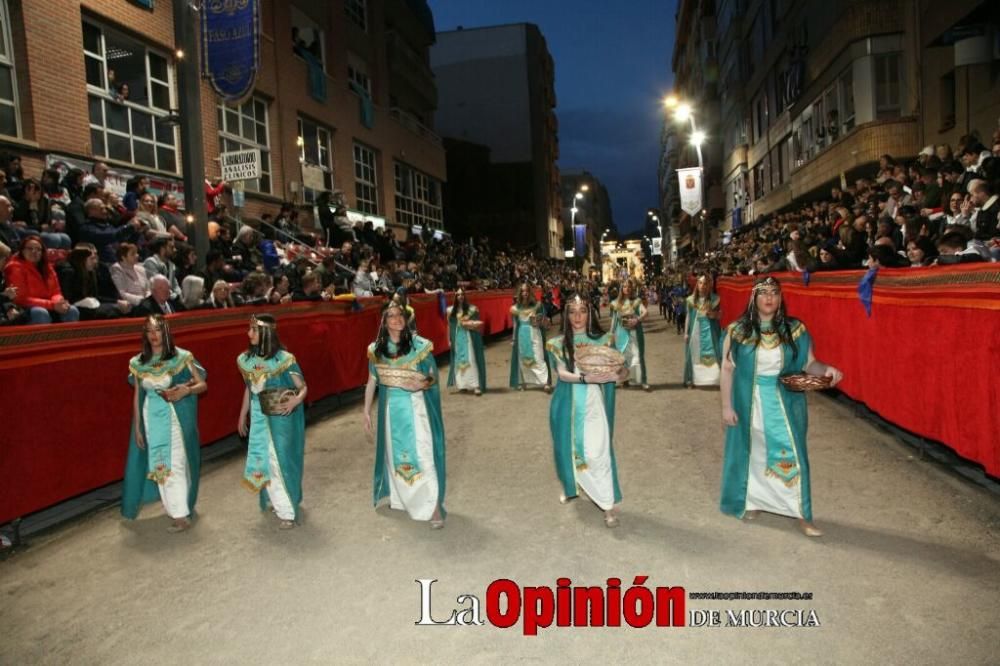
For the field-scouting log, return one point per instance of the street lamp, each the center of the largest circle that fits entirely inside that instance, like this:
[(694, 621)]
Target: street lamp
[(683, 111)]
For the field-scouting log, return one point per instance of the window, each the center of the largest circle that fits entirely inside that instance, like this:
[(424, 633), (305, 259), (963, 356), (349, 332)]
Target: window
[(308, 39), (847, 99), (365, 179), (887, 85), (418, 197), (9, 116), (129, 94), (243, 127), (357, 12), (832, 117), (357, 75), (314, 150)]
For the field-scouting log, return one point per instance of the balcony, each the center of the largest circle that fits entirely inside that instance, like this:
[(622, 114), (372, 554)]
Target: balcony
[(409, 122), (407, 65)]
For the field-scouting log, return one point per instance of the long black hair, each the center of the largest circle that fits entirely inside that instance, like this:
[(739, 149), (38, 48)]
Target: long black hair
[(464, 306), (594, 330), (382, 338), (748, 325), (268, 343), (168, 351)]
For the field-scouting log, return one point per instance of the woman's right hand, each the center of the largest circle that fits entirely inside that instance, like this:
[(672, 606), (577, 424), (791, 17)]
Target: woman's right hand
[(243, 427), (139, 440), (729, 418), (368, 423)]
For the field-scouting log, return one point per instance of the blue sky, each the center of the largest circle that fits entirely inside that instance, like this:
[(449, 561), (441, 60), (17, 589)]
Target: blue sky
[(612, 69)]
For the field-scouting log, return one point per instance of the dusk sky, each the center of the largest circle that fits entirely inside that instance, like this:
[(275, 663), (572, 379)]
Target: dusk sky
[(612, 69)]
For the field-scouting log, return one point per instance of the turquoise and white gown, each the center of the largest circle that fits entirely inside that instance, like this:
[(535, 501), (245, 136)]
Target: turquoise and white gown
[(766, 492), (276, 446), (169, 464), (703, 352), (527, 362), (765, 465), (582, 422), (410, 442)]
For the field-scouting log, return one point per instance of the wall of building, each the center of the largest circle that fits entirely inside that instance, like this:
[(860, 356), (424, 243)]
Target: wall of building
[(53, 93)]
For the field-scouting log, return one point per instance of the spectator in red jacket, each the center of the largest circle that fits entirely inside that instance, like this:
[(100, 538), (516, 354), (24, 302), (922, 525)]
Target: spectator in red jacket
[(37, 285)]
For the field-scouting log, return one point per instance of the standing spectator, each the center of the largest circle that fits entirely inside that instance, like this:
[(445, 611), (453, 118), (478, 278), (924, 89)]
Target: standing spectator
[(98, 175), (172, 218), (37, 285), (15, 177), (213, 191), (53, 189), (135, 188), (987, 207)]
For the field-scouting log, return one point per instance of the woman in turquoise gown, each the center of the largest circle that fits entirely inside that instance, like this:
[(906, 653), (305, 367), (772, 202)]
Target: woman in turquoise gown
[(633, 340), (277, 441), (766, 463), (467, 369), (527, 358), (582, 414), (702, 349), (164, 451), (409, 429)]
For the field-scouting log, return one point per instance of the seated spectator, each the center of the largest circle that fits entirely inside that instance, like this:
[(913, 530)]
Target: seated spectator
[(37, 286), (362, 285), (129, 275), (311, 289), (193, 292), (160, 262), (281, 291), (53, 189), (32, 215), (14, 172), (87, 284), (953, 248), (222, 297), (98, 231), (255, 288), (882, 255), (186, 260), (9, 234), (10, 314), (828, 258), (247, 257), (135, 189), (160, 300), (987, 208), (921, 252), (149, 214)]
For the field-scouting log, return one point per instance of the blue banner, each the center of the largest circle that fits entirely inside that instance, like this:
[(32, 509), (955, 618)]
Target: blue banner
[(230, 46), (579, 239)]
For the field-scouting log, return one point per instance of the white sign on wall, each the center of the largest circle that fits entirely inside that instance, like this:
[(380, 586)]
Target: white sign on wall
[(240, 165), (690, 182)]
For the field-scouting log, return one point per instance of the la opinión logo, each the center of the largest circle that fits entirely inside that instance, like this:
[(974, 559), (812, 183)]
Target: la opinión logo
[(507, 603)]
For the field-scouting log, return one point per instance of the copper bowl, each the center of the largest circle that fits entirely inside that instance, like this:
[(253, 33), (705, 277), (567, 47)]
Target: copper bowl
[(804, 382), (598, 359)]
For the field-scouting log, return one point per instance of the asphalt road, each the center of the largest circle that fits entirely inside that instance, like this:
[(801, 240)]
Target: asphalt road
[(907, 572)]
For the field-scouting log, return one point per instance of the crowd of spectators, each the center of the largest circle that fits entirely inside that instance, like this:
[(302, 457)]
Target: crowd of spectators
[(71, 249), (940, 208)]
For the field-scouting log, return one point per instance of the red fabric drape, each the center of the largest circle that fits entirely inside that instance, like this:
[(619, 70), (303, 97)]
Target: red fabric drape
[(927, 359), (67, 404)]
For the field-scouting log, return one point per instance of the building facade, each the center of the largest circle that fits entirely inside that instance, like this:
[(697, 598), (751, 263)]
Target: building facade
[(496, 89), (344, 100), (816, 91), (593, 210)]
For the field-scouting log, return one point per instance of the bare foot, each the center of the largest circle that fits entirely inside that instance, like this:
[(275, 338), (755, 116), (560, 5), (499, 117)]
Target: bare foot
[(179, 525)]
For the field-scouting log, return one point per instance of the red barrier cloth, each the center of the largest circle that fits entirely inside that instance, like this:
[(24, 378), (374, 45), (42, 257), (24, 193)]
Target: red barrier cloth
[(928, 358), (67, 404)]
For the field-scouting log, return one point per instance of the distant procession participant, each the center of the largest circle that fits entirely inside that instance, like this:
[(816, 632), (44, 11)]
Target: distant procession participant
[(164, 453), (627, 314), (408, 428), (272, 402), (403, 300), (582, 413), (702, 351), (527, 360), (467, 369), (766, 464)]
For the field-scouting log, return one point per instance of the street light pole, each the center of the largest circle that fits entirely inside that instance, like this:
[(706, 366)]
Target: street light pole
[(192, 148)]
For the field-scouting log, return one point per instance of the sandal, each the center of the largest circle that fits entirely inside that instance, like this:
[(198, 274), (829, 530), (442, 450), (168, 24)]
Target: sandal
[(179, 525), (286, 524)]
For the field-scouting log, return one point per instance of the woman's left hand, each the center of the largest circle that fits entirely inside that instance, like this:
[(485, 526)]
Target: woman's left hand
[(288, 406), (835, 375)]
